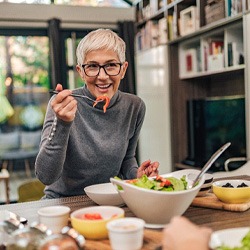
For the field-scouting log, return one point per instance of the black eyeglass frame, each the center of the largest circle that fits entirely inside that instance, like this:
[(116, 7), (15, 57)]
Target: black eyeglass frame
[(102, 66)]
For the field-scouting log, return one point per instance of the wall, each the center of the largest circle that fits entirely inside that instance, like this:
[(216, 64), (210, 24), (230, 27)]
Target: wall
[(153, 88), (37, 15)]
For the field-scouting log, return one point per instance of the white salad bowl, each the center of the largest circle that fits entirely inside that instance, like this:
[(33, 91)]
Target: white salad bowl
[(156, 208)]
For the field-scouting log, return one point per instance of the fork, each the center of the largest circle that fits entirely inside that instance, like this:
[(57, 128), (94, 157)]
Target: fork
[(76, 95)]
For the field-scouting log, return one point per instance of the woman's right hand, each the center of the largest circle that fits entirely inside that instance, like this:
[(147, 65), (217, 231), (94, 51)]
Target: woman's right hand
[(181, 234), (64, 105)]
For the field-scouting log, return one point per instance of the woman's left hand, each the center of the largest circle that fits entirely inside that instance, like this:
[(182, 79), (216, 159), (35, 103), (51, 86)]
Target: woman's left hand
[(148, 168)]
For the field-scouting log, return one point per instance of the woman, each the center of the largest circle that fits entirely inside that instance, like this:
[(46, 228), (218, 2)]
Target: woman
[(82, 145)]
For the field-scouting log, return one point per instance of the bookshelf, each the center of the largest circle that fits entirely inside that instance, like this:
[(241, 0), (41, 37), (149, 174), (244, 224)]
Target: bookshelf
[(208, 58)]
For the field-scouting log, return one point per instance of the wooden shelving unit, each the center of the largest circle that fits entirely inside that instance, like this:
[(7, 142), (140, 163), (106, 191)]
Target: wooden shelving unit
[(213, 75)]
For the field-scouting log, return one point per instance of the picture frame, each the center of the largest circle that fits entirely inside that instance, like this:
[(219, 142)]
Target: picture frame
[(188, 20)]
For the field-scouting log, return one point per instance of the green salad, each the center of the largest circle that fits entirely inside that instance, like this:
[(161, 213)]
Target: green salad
[(245, 244), (160, 183)]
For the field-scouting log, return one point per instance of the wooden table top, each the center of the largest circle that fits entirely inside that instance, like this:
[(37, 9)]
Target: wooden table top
[(214, 218)]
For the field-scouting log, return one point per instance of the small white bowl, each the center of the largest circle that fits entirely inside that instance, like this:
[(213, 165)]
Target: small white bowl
[(126, 233), (104, 194), (54, 217)]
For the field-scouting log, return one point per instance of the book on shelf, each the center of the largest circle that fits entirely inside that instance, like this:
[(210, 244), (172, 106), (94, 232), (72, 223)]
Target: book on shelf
[(229, 7), (213, 54), (216, 47), (138, 41), (191, 61), (146, 13), (236, 7), (163, 30), (216, 54), (232, 54), (154, 33), (147, 37), (170, 27), (153, 7), (175, 25)]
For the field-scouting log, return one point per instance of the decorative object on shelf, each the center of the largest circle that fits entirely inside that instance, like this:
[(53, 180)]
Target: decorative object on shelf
[(214, 10), (189, 21)]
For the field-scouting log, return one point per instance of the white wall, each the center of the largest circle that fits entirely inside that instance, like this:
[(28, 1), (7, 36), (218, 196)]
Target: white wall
[(37, 15), (153, 88)]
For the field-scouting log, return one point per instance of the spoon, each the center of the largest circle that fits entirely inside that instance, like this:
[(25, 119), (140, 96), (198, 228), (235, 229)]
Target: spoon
[(76, 95), (212, 159)]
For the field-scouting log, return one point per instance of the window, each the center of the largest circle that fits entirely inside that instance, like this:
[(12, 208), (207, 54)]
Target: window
[(72, 38), (24, 81)]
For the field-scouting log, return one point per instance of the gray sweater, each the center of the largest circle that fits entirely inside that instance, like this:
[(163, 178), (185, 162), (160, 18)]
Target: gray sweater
[(92, 148)]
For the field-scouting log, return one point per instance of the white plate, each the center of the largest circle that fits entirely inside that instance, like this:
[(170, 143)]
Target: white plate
[(230, 237)]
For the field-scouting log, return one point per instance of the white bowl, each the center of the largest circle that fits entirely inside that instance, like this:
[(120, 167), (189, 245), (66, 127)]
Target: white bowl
[(104, 194), (156, 208), (207, 186)]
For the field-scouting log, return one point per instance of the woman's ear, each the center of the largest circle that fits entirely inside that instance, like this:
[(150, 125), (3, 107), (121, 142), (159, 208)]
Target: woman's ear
[(124, 69), (80, 71)]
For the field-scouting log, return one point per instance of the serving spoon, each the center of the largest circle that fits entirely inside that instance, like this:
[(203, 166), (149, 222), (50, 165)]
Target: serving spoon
[(209, 163)]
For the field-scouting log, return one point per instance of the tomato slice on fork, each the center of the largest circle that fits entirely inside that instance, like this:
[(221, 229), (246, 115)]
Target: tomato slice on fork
[(103, 98)]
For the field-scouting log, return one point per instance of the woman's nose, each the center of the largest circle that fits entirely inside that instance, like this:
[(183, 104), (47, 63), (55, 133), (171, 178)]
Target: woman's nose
[(102, 73)]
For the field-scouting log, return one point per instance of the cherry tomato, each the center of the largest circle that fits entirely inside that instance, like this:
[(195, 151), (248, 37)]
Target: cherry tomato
[(90, 216)]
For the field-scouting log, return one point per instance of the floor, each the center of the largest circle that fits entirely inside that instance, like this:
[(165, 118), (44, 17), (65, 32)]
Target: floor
[(17, 177)]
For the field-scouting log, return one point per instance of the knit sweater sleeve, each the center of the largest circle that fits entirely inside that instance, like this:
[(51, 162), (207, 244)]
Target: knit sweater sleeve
[(130, 165), (51, 157)]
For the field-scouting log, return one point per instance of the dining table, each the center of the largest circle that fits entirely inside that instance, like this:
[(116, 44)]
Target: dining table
[(216, 219)]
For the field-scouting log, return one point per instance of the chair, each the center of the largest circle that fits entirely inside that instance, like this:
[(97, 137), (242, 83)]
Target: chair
[(30, 191), (4, 176), (19, 145), (243, 170)]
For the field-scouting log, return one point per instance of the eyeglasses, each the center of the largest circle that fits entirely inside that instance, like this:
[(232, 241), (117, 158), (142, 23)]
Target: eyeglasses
[(111, 69)]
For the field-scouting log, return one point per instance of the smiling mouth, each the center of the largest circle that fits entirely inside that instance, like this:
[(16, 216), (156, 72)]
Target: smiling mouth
[(103, 86)]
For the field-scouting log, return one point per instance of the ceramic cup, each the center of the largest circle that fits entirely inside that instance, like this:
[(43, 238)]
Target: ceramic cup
[(54, 217), (126, 233)]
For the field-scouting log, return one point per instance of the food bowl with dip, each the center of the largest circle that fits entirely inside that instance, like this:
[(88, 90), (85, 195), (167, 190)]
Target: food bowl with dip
[(91, 221), (232, 191)]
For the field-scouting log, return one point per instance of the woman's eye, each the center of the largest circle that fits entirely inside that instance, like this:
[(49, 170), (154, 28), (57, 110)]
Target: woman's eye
[(111, 65), (92, 66)]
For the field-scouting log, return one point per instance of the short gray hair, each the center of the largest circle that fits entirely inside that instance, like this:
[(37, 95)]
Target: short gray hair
[(100, 39)]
